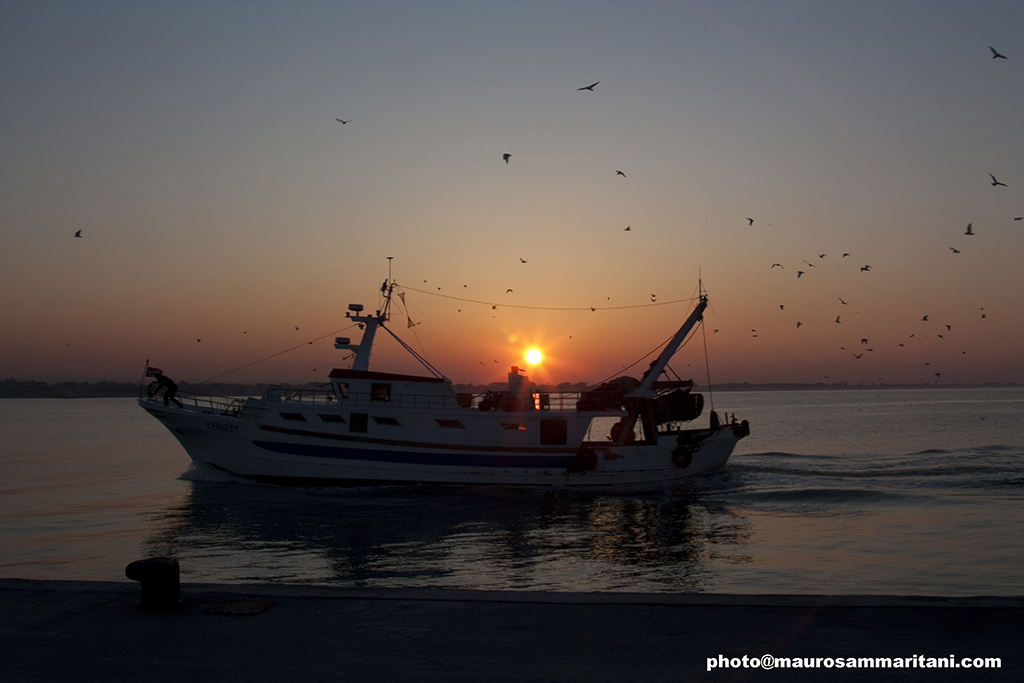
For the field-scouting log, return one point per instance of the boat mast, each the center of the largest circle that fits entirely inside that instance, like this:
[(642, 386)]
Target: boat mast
[(645, 389), (369, 323)]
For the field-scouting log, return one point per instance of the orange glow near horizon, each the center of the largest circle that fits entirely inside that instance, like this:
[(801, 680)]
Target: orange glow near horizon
[(159, 224)]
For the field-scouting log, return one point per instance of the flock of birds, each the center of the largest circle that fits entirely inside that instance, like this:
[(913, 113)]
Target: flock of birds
[(995, 182), (865, 342)]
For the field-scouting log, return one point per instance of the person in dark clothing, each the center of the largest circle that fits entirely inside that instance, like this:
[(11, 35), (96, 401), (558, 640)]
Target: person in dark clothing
[(170, 389)]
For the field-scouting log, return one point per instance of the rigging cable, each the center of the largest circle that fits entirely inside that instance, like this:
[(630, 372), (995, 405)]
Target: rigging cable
[(547, 308), (647, 355), (707, 364), (279, 353)]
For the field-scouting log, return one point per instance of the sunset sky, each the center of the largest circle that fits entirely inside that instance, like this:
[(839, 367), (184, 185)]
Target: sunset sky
[(196, 147)]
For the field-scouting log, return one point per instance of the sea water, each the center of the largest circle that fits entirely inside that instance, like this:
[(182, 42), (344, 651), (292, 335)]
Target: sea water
[(838, 492)]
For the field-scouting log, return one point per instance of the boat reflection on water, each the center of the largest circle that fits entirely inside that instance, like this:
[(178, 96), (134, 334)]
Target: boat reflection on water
[(491, 538)]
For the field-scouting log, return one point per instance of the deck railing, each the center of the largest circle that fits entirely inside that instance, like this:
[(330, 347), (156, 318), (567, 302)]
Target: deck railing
[(542, 401), (228, 405)]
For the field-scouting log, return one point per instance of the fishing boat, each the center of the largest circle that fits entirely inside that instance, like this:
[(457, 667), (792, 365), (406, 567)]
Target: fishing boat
[(368, 426)]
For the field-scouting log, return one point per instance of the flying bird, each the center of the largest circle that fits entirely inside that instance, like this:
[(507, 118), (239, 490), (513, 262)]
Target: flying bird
[(954, 250), (799, 273), (857, 355), (522, 260), (1019, 218), (996, 182), (969, 231), (628, 228), (924, 319), (822, 255), (846, 254), (996, 55), (620, 173), (843, 302), (78, 233), (588, 87), (508, 291), (864, 269), (782, 307), (506, 157), (837, 318), (798, 324), (779, 265), (751, 220), (343, 122)]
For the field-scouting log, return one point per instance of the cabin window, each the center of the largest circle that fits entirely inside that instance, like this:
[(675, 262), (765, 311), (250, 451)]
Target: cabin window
[(389, 421), (292, 417), (553, 432), (332, 418), (357, 422), (513, 426), (451, 424), (380, 392)]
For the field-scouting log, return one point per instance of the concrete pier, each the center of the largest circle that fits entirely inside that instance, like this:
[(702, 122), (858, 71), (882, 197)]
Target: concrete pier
[(92, 631)]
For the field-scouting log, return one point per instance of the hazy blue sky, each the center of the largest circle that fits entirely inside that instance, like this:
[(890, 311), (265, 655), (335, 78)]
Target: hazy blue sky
[(196, 148)]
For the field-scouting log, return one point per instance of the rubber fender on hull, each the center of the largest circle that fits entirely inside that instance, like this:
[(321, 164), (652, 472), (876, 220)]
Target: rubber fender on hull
[(682, 457), (585, 460)]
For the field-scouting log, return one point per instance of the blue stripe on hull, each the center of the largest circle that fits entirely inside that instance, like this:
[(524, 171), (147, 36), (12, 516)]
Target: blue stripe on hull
[(449, 459)]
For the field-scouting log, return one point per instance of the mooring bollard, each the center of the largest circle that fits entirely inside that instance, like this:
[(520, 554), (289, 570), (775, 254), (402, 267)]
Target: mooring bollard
[(161, 580)]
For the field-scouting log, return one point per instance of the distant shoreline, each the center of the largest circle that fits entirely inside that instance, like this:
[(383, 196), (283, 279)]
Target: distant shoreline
[(12, 388)]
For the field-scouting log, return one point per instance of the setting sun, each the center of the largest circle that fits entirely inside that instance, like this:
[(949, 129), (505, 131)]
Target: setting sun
[(533, 356)]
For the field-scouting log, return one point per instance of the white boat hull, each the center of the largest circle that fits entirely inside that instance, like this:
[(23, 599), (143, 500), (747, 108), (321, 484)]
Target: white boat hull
[(264, 450)]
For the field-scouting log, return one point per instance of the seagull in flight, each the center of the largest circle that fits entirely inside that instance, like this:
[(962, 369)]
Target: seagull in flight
[(751, 220), (588, 87), (522, 260), (799, 273), (343, 122), (620, 173), (969, 231), (843, 302), (864, 269), (995, 182), (837, 318), (78, 233), (779, 265), (628, 228), (506, 157), (954, 250), (996, 55)]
